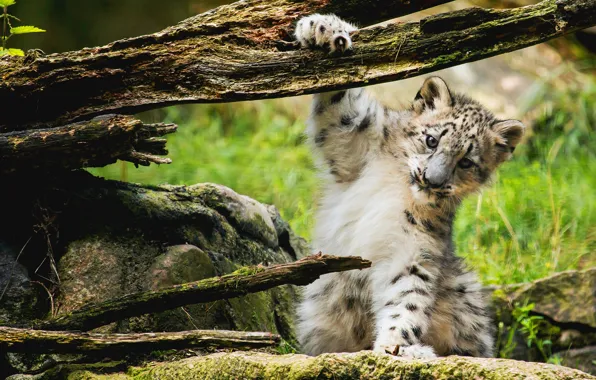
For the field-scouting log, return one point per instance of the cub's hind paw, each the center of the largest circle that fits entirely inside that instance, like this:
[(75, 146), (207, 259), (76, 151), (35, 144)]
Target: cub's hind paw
[(327, 31)]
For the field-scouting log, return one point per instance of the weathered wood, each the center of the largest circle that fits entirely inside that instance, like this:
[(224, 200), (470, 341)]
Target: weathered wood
[(97, 142), (236, 53), (113, 345), (243, 281)]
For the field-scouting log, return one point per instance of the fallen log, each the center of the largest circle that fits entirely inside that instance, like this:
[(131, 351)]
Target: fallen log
[(113, 345), (240, 52), (243, 281), (97, 142)]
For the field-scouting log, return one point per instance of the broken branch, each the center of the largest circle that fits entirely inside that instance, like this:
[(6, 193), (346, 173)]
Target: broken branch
[(243, 281), (66, 342)]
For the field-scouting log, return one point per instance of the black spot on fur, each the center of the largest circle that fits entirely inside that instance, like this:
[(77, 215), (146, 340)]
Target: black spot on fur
[(322, 29), (474, 309), (351, 303), (420, 291), (429, 226), (364, 124), (386, 132), (417, 331), (483, 349), (319, 108), (315, 296), (390, 303), (346, 120), (483, 175), (396, 278), (424, 277), (409, 216), (395, 316), (336, 98), (359, 332), (321, 137), (461, 288), (392, 328), (360, 282), (478, 326), (406, 336), (411, 307), (414, 270)]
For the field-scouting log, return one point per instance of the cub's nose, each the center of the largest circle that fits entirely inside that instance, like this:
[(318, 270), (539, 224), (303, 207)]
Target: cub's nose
[(434, 181)]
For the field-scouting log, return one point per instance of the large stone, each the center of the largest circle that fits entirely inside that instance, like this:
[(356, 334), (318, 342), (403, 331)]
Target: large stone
[(146, 238), (349, 366), (566, 304), (19, 297), (111, 238), (583, 359)]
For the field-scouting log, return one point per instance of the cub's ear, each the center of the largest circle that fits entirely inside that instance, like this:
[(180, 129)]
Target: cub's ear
[(508, 133), (434, 94)]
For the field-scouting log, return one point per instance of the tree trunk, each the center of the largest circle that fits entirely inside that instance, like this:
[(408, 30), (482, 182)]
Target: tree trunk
[(237, 52), (97, 142), (243, 281), (113, 345)]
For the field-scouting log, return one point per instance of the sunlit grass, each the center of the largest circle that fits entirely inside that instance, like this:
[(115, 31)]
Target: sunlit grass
[(538, 217)]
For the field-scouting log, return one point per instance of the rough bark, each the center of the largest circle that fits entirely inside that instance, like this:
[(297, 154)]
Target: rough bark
[(40, 341), (243, 281), (97, 142), (360, 365), (238, 52)]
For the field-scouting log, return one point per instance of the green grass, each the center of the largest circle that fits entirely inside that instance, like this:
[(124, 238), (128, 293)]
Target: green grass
[(538, 217)]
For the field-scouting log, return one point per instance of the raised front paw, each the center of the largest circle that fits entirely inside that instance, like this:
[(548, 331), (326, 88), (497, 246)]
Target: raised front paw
[(327, 31)]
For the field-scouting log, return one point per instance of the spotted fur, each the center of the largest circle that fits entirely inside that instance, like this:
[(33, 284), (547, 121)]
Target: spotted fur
[(394, 180)]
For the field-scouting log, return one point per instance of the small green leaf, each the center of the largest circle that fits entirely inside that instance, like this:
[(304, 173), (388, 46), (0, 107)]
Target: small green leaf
[(6, 3), (3, 52), (25, 29), (18, 52)]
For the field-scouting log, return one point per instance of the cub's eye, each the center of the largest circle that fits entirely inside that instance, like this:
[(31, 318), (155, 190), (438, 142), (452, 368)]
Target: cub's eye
[(465, 163), (431, 141)]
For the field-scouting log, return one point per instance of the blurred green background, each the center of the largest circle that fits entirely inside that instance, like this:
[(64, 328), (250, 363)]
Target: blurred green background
[(537, 218)]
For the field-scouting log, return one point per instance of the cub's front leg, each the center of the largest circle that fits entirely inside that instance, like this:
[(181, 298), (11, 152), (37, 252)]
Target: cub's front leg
[(346, 125)]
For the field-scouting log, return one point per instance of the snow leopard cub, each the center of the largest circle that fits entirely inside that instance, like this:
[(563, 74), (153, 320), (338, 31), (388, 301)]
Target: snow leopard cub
[(394, 180)]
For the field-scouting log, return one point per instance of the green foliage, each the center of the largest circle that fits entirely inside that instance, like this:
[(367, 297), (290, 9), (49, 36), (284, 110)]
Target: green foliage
[(8, 30), (535, 330), (539, 216), (25, 29), (286, 348)]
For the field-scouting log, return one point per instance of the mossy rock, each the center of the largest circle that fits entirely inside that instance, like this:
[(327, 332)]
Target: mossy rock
[(111, 238), (565, 301), (583, 359), (167, 235), (349, 366)]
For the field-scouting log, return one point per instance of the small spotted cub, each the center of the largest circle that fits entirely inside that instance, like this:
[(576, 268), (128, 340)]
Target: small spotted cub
[(394, 180)]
